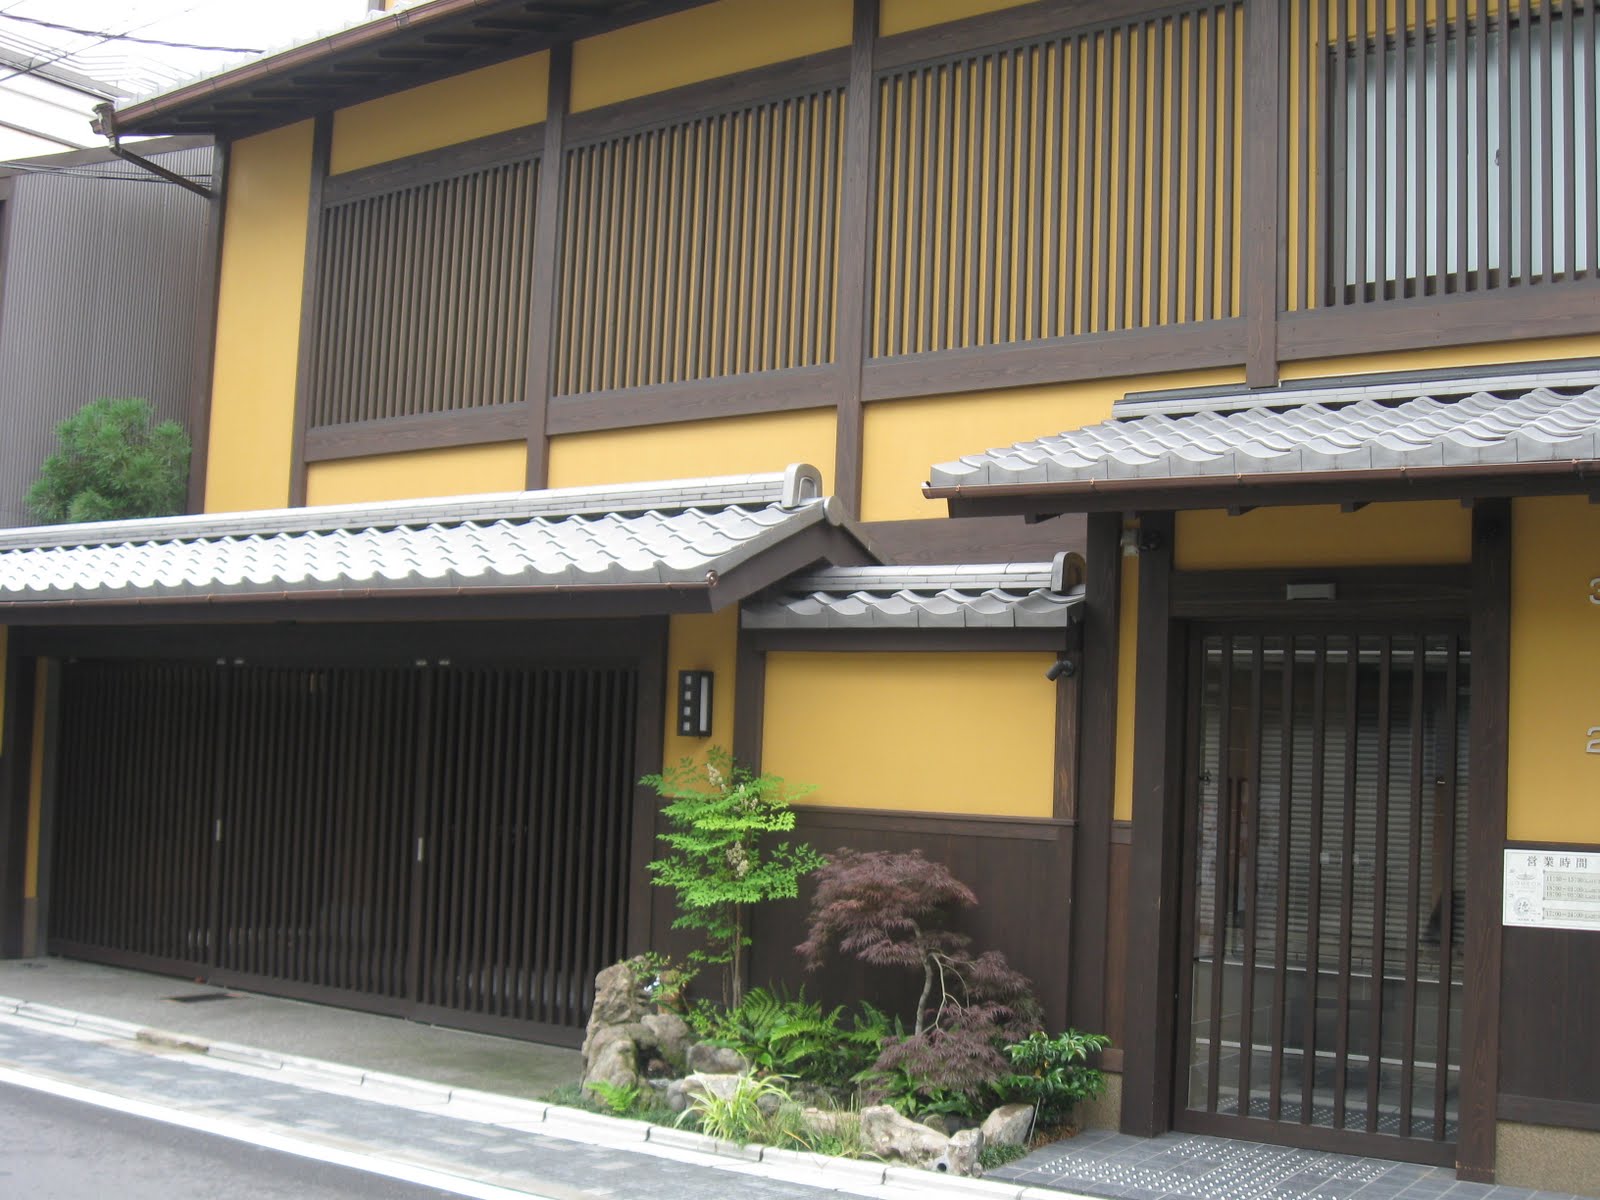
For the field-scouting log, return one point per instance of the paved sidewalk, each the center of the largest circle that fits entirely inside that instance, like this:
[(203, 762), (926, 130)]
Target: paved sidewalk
[(288, 1027)]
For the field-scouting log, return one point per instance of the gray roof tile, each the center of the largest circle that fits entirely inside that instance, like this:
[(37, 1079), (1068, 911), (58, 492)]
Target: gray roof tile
[(983, 596), (1510, 421), (662, 533)]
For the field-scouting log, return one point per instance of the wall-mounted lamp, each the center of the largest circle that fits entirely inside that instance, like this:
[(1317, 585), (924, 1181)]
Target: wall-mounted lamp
[(694, 703)]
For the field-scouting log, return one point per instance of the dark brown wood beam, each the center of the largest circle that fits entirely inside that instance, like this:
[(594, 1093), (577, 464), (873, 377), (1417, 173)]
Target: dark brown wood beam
[(1486, 828), (199, 415), (855, 275), (1153, 885), (321, 150), (1097, 767), (546, 268), (1262, 193)]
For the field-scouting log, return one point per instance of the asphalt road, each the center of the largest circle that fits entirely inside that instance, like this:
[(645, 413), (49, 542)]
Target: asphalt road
[(58, 1149)]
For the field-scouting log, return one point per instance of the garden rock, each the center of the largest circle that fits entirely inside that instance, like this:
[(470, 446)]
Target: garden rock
[(961, 1157), (826, 1121), (614, 1060), (673, 1097), (706, 1059), (1008, 1125), (720, 1087), (618, 998), (670, 1035), (887, 1134)]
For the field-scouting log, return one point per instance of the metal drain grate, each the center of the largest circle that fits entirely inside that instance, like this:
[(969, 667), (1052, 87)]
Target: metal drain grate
[(199, 997)]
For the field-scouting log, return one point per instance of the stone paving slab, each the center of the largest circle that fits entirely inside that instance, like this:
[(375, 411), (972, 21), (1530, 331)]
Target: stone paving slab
[(1180, 1166)]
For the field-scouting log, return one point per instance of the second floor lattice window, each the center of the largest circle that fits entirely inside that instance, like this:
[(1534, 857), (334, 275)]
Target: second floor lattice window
[(1460, 145), (423, 298), (1081, 184), (701, 249)]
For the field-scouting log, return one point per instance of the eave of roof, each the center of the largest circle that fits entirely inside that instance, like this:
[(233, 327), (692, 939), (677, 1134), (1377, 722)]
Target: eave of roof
[(687, 546), (1383, 439), (967, 596), (390, 53)]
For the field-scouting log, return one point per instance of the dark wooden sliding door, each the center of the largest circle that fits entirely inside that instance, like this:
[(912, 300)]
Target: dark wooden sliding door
[(1324, 883), (444, 842)]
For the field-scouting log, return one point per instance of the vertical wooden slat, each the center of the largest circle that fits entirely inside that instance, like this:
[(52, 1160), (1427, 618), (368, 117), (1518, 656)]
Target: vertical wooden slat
[(1319, 693), (1221, 918), (1280, 971), (1380, 896), (1347, 849), (1260, 193), (1444, 873), (1408, 1054), (1248, 867)]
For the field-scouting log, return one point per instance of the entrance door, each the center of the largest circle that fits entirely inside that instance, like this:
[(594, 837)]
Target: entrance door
[(447, 843), (1324, 877)]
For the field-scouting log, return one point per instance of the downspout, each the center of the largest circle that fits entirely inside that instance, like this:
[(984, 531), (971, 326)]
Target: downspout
[(105, 123)]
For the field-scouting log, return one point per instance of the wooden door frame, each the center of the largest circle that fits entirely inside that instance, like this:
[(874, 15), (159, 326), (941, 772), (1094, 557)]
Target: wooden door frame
[(1480, 593)]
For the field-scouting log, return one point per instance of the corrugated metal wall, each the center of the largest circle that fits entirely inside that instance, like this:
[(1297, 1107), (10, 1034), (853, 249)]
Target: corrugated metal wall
[(99, 296)]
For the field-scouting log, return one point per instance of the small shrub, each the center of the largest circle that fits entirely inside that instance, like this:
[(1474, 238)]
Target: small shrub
[(721, 819), (891, 910), (662, 980), (739, 1117), (618, 1100), (797, 1038), (1052, 1073)]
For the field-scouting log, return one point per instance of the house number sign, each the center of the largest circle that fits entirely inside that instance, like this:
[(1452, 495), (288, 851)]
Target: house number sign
[(1591, 742), (1552, 889)]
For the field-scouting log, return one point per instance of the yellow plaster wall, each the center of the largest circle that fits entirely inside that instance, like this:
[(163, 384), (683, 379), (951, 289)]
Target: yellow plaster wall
[(702, 642), (258, 320), (902, 16), (904, 437), (702, 43), (1553, 784), (417, 474), (1430, 532), (733, 446), (489, 100), (955, 732)]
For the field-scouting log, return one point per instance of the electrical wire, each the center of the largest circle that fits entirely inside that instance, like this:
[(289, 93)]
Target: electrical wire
[(23, 168), (105, 36), (100, 40)]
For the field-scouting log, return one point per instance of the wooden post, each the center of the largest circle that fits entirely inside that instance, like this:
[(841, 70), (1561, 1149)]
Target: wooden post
[(547, 267), (855, 276), (1486, 837), (321, 149), (1263, 192), (1153, 887)]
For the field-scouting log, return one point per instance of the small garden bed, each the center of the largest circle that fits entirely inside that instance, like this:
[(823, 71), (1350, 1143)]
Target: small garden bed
[(966, 1079)]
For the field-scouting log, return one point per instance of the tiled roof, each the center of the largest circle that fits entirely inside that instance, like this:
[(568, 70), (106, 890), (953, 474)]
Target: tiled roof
[(668, 535), (999, 596), (1509, 421)]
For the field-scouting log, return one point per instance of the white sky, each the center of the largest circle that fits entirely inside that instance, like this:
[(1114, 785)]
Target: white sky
[(41, 116)]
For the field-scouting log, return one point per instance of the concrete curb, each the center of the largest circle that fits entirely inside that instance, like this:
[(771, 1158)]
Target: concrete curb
[(579, 1124)]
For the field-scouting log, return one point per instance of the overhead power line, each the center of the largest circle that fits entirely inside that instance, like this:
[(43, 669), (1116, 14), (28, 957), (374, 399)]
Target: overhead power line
[(103, 35)]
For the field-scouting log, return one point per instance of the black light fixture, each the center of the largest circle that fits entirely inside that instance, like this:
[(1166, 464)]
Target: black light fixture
[(694, 703)]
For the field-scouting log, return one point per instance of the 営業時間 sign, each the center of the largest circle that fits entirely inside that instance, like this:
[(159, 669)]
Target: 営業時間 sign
[(1553, 889)]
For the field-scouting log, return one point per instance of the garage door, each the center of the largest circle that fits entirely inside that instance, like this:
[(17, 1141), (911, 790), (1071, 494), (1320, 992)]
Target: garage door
[(442, 842)]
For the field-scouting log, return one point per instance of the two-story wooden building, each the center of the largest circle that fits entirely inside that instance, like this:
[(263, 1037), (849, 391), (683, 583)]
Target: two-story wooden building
[(1283, 313)]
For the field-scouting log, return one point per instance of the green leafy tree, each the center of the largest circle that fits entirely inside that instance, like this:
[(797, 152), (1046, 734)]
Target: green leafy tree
[(722, 820), (112, 462)]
